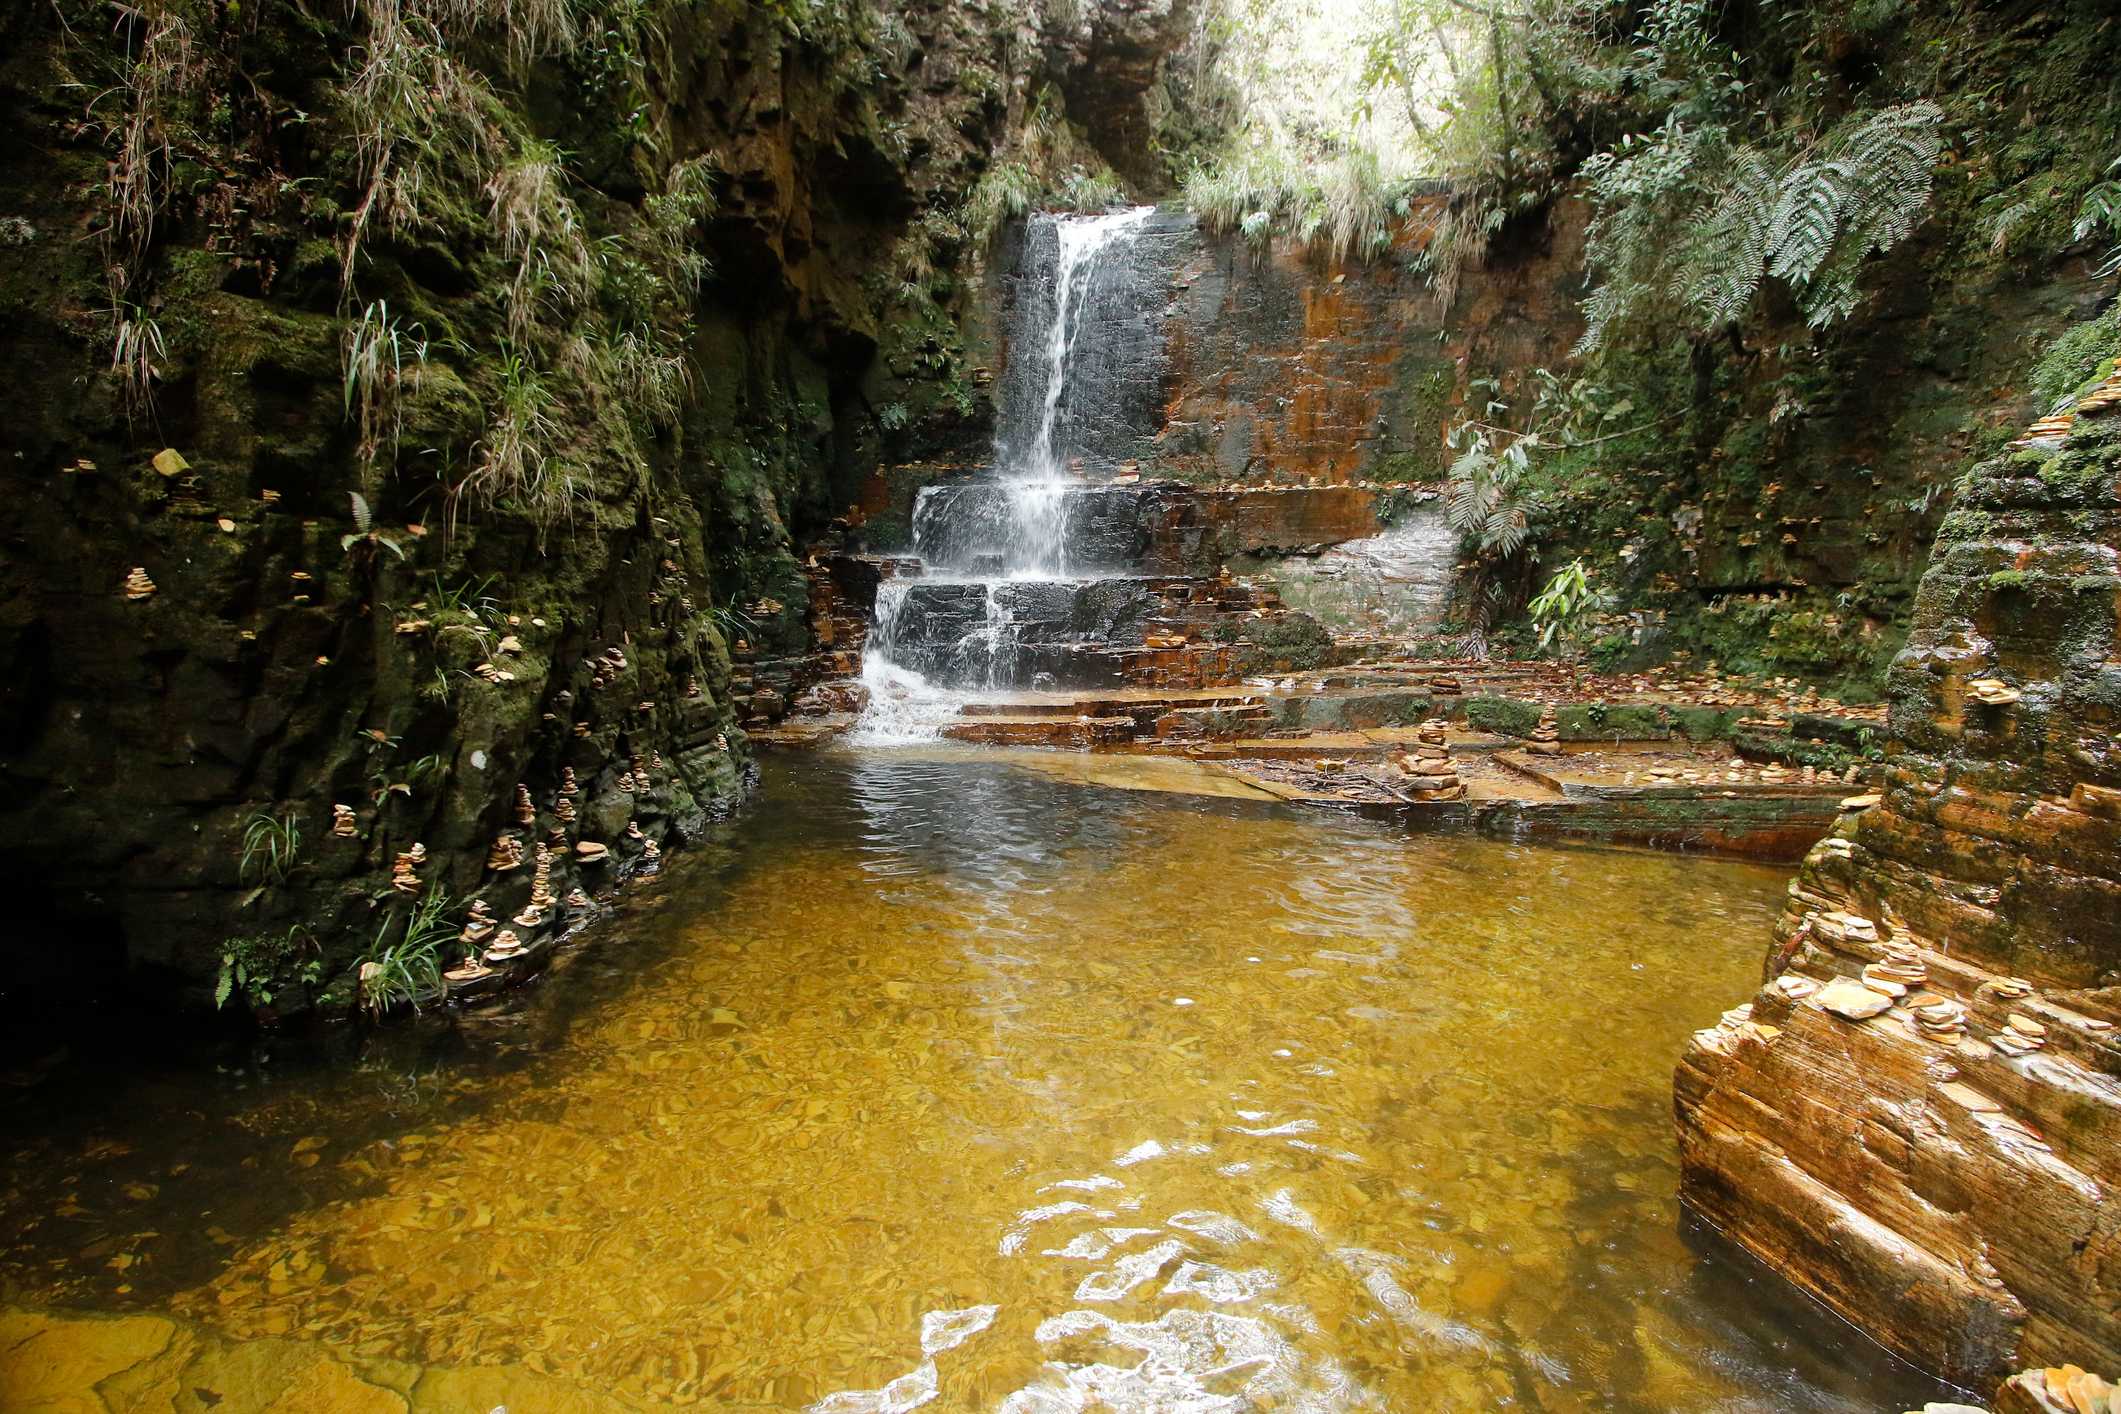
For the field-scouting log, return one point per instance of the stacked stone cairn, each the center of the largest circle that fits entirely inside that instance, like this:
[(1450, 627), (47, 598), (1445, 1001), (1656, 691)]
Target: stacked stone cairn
[(2058, 1389), (478, 927), (2020, 1036), (1428, 768), (478, 924), (506, 854), (405, 872), (540, 905), (1546, 737)]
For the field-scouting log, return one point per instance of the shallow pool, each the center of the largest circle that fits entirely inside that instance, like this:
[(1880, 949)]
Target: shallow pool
[(939, 1081)]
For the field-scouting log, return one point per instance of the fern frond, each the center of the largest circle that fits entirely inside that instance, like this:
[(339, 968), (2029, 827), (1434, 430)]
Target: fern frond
[(1806, 219), (1892, 157), (1507, 535), (1721, 263)]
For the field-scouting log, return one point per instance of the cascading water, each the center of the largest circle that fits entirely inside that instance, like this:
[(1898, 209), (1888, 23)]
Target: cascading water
[(1080, 247), (1005, 561)]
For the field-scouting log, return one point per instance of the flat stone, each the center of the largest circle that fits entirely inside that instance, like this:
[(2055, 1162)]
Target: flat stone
[(1968, 1098), (54, 1363), (1853, 1000)]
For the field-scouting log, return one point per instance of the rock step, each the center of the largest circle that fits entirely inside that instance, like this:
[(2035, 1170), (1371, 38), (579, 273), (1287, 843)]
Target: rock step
[(1074, 732), (1214, 723), (1146, 706)]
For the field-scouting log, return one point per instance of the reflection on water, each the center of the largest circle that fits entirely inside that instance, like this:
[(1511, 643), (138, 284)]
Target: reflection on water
[(945, 1083)]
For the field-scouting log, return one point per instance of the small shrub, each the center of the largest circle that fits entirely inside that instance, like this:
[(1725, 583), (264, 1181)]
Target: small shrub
[(261, 966)]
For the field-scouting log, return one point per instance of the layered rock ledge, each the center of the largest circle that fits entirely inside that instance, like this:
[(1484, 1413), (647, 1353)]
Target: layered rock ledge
[(1918, 1117)]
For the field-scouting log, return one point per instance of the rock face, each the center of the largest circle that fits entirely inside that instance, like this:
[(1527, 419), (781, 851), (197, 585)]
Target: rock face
[(277, 605), (1944, 1173), (1111, 58), (1287, 365), (1157, 529)]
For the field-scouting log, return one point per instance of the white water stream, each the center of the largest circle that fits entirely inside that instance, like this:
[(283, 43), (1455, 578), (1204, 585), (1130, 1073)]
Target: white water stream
[(1032, 544)]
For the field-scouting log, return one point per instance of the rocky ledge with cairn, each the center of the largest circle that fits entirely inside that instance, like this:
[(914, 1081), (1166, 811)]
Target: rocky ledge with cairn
[(1918, 1120), (1546, 736), (1427, 769)]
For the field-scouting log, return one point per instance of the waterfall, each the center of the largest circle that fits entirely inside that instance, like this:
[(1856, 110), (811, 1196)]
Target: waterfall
[(1081, 245), (1004, 559)]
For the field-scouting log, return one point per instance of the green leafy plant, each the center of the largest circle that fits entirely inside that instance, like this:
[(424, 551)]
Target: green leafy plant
[(381, 787), (1562, 612), (270, 844), (1006, 191), (404, 962), (675, 215), (262, 965), (2100, 211), (364, 535), (1692, 218)]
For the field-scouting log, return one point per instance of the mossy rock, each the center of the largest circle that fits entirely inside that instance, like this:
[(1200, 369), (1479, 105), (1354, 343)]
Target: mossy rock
[(1505, 716)]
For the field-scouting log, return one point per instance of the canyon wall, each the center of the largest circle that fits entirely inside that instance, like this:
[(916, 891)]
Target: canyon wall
[(413, 406), (1937, 1158)]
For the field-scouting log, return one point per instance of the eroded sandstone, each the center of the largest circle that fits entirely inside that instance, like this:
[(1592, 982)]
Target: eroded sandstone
[(1942, 1173)]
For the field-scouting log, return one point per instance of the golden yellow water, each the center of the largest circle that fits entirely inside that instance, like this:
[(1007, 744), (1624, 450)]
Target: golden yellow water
[(943, 1083)]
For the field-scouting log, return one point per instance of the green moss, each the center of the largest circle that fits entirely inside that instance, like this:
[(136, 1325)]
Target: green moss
[(1505, 716), (2080, 357), (1600, 721), (1290, 643)]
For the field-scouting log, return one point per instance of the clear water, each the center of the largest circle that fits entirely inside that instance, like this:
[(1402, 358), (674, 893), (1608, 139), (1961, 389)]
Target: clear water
[(937, 1082)]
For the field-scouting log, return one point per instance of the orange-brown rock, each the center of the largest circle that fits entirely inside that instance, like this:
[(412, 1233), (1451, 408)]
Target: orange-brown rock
[(1944, 1173)]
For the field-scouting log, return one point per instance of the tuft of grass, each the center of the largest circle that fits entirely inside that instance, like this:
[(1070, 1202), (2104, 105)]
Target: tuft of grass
[(513, 463), (1345, 205), (404, 962), (375, 354), (471, 596), (136, 346), (541, 231), (164, 64), (270, 843), (1005, 192), (674, 216), (420, 120)]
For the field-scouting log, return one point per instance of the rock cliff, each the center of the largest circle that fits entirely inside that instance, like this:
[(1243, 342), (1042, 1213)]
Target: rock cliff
[(416, 402), (1918, 1118)]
